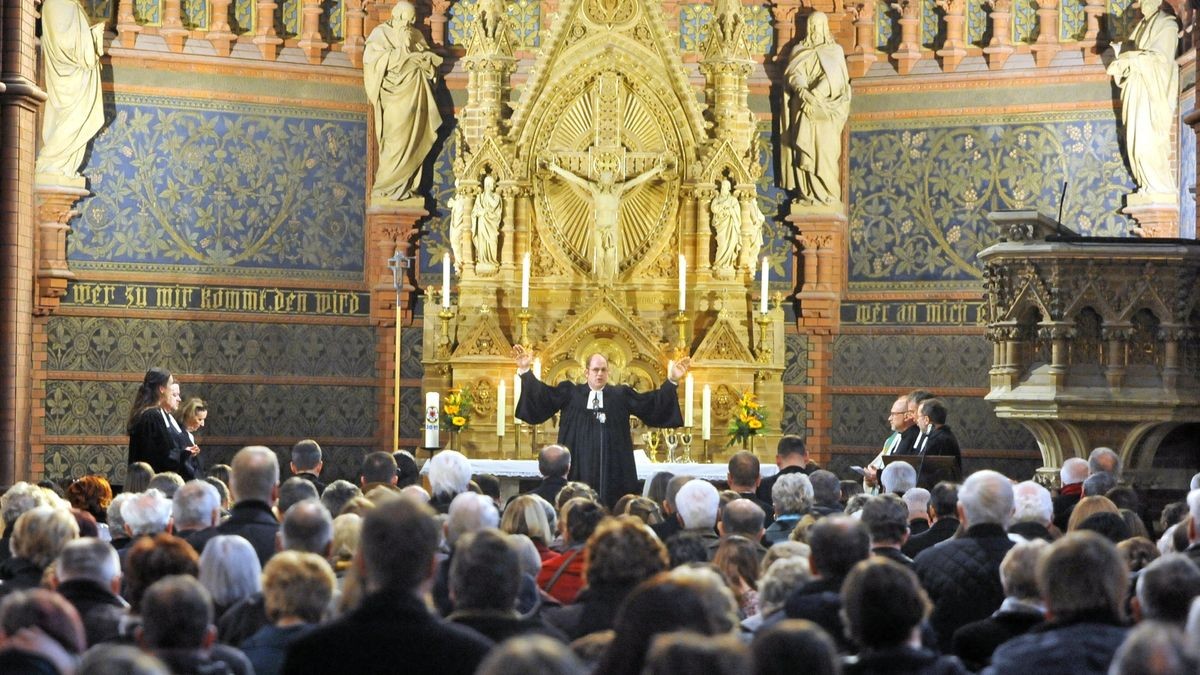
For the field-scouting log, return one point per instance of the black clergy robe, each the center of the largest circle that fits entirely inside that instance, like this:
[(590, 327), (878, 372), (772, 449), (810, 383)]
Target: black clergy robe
[(600, 442)]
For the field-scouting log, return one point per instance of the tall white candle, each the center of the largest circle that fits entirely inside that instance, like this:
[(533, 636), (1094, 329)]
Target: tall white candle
[(689, 417), (516, 395), (762, 301), (682, 282), (433, 407), (706, 413), (501, 408), (537, 368), (525, 282), (446, 280)]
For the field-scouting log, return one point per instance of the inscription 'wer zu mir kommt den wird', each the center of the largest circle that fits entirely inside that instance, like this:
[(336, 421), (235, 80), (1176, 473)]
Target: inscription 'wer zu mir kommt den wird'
[(218, 299)]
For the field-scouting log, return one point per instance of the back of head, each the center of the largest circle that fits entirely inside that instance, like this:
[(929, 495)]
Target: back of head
[(377, 467), (743, 517), (623, 552), (697, 504), (779, 580), (152, 558), (489, 485), (1138, 552), (89, 560), (1080, 574), (337, 493), (573, 490), (254, 475), (116, 524), (470, 512), (1111, 526), (686, 547), (1087, 507), (838, 543), (882, 603), (744, 470), (554, 461), (1166, 587), (827, 489), (986, 497), (397, 544), (582, 517), (792, 493), (293, 491), (886, 519), (297, 585), (148, 512), (449, 474), (306, 455), (45, 610), (407, 471), (1154, 648), (658, 605), (656, 487), (18, 499), (647, 510), (673, 487), (918, 396), (791, 447), (898, 477), (114, 659), (485, 572), (687, 652), (780, 647), (1104, 460), (850, 488), (229, 569), (41, 533), (917, 501), (1032, 503), (525, 515), (307, 527), (224, 498), (166, 482), (195, 506), (91, 493), (531, 654), (1099, 484), (137, 477), (1074, 470), (347, 531), (1193, 502), (1124, 497), (222, 472), (1018, 571), (177, 613)]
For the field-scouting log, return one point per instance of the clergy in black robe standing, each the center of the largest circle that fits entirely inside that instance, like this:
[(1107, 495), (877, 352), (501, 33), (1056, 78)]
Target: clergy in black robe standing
[(594, 424)]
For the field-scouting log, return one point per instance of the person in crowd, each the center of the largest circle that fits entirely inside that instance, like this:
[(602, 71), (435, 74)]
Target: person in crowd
[(293, 491), (154, 558), (1099, 484), (1137, 553), (39, 535), (525, 515), (900, 442), (399, 540), (619, 555), (407, 471), (897, 478), (191, 416), (943, 518), (449, 476), (1111, 525), (118, 537), (1104, 460), (962, 575), (1071, 476), (88, 574), (297, 589), (696, 506), (1083, 585), (154, 436), (469, 512), (166, 482), (776, 650), (554, 463), (137, 477), (791, 456), (119, 659), (1087, 507), (255, 488), (229, 571), (531, 601), (850, 488), (1165, 589), (646, 510), (532, 654), (937, 441), (917, 500), (226, 501), (744, 475), (689, 652), (737, 560), (40, 632), (792, 499), (1154, 648), (177, 627), (485, 578), (886, 519), (686, 548), (92, 494), (347, 530), (837, 544), (16, 500), (562, 575), (1033, 512), (337, 494), (743, 518), (377, 468), (775, 584), (670, 524), (827, 493), (307, 462), (195, 508), (884, 605), (656, 487), (222, 472), (1020, 612), (1137, 527)]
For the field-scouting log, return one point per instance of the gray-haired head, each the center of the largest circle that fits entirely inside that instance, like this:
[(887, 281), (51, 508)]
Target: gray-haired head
[(196, 506), (147, 512), (1098, 484), (1104, 459), (1074, 470), (88, 559), (295, 490), (792, 493), (470, 512), (229, 569), (986, 497), (307, 527), (898, 477), (255, 474), (336, 495), (1032, 503), (449, 473)]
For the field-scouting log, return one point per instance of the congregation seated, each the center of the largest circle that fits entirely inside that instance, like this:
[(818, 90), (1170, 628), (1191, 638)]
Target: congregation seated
[(1020, 612), (297, 590), (562, 575), (38, 536), (744, 518), (886, 519), (40, 633), (792, 499), (87, 574), (449, 476), (177, 627), (255, 486), (837, 544), (943, 515)]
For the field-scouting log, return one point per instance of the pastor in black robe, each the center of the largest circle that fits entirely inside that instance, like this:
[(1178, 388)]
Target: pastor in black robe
[(600, 441)]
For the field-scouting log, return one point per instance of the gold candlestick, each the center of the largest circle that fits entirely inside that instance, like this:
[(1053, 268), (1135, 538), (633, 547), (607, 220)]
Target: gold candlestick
[(444, 346), (764, 347), (680, 322), (523, 317)]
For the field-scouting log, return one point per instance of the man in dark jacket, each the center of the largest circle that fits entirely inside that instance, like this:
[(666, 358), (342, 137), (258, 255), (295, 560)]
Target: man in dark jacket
[(399, 539), (1021, 610), (1083, 584), (943, 515), (791, 457), (255, 486), (886, 519), (962, 576), (88, 574), (307, 463), (837, 543), (939, 441), (554, 462)]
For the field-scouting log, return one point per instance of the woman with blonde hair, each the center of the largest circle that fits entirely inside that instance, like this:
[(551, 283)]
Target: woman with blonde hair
[(1089, 506), (525, 515)]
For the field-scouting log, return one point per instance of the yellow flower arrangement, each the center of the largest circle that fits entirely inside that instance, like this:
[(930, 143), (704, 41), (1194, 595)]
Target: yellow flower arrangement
[(457, 409), (748, 419)]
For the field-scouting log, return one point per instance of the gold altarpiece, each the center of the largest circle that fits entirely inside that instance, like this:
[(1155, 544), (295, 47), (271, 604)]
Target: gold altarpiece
[(608, 141)]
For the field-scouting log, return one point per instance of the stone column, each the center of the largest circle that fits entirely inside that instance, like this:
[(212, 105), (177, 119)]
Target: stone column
[(310, 33), (1047, 45), (909, 50), (55, 197), (354, 43), (860, 58), (954, 48), (1000, 47), (219, 34), (172, 30), (264, 36)]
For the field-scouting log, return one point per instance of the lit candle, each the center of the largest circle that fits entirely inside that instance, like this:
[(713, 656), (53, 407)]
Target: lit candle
[(682, 282), (706, 413), (525, 282), (762, 302), (537, 368), (689, 418), (432, 408), (501, 405), (516, 396), (446, 280)]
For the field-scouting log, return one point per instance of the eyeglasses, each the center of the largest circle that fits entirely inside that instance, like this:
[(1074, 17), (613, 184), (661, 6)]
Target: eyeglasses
[(897, 412)]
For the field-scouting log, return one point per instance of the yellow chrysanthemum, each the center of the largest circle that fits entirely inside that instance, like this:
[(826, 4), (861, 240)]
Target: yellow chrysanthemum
[(755, 424), (458, 421)]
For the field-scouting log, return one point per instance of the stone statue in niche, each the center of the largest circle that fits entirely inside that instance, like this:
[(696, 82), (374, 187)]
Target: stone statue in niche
[(458, 227), (71, 51), (1149, 80), (727, 227), (752, 234), (816, 104), (728, 17), (398, 72), (485, 226), (490, 16), (605, 195)]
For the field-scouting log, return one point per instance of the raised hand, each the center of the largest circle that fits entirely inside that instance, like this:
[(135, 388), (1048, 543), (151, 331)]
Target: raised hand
[(523, 357), (682, 366)]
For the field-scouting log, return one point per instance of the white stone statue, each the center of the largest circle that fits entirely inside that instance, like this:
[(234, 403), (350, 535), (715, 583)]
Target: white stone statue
[(752, 234), (1149, 81), (605, 195), (458, 228), (490, 16), (71, 52), (816, 104), (398, 70), (485, 225), (727, 227)]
